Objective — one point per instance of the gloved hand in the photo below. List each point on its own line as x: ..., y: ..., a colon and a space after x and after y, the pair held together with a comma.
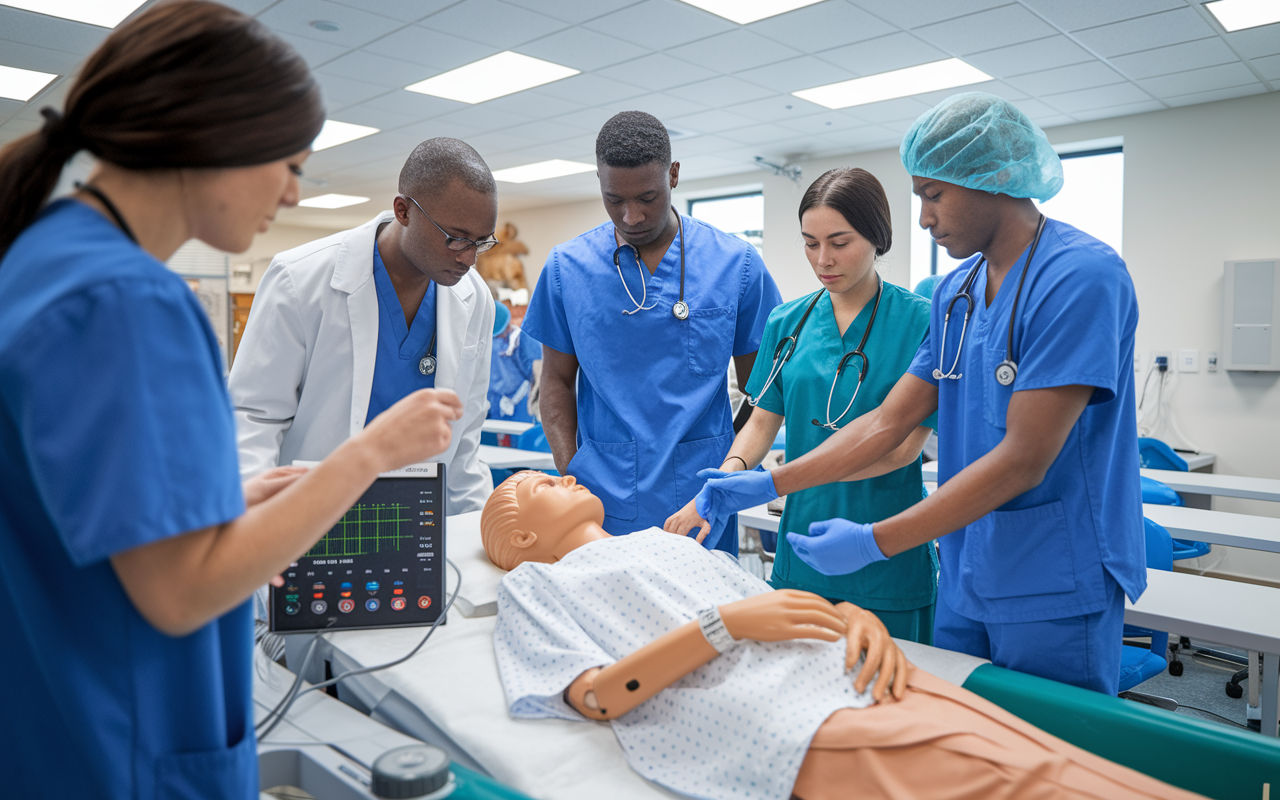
x: 837, y: 546
x: 727, y: 493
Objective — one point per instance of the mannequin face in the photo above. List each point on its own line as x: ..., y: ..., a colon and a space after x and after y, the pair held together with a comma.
x: 551, y: 508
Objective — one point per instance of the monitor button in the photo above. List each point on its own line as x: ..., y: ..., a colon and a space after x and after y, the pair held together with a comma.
x: 317, y: 586
x: 424, y: 602
x: 346, y: 606
x: 371, y: 586
x: 371, y: 604
x: 397, y: 604
x: 346, y: 585
x: 319, y: 607
x: 291, y: 608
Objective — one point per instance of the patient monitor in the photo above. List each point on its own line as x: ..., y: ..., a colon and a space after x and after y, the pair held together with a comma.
x: 381, y: 566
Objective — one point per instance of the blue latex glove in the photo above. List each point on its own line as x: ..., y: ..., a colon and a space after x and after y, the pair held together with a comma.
x: 727, y: 493
x: 837, y: 546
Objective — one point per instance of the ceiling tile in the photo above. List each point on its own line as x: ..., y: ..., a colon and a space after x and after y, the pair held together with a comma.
x: 1256, y: 42
x: 712, y: 121
x: 413, y: 104
x: 1033, y: 56
x: 421, y: 45
x: 997, y: 88
x: 734, y: 51
x: 429, y: 129
x: 503, y: 141
x: 1036, y: 108
x: 495, y: 23
x: 482, y: 118
x: 907, y: 14
x: 40, y: 59
x: 1269, y: 67
x: 251, y: 7
x: 1077, y: 14
x: 1120, y: 111
x: 1066, y: 79
x: 9, y: 107
x: 1175, y: 58
x: 532, y: 105
x: 761, y: 134
x: 1223, y: 76
x: 343, y: 92
x: 1054, y: 121
x: 582, y: 49
x: 40, y: 30
x: 545, y: 131
x: 655, y: 72
x: 720, y: 92
x: 660, y: 24
x: 1101, y: 97
x: 580, y: 148
x: 777, y: 109
x: 370, y: 67
x: 795, y: 74
x: 862, y: 137
x: 403, y: 10
x: 380, y: 118
x: 1145, y: 33
x: 1215, y: 95
x: 662, y: 106
x: 588, y: 89
x: 698, y: 145
x: 590, y: 119
x: 890, y: 110
x: 356, y: 27
x: 823, y: 124
x: 986, y: 30
x: 822, y: 26
x: 708, y: 167
x: 895, y: 51
x: 313, y: 52
x: 575, y: 11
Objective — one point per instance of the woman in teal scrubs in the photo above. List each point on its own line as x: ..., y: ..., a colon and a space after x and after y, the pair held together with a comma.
x: 844, y: 219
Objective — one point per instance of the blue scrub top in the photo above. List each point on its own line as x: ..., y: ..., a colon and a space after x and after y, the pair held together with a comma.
x: 1052, y: 552
x: 115, y: 431
x: 653, y: 401
x: 510, y: 368
x: 400, y: 347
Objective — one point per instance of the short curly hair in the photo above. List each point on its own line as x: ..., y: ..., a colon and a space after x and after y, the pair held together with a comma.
x: 633, y: 139
x: 499, y: 522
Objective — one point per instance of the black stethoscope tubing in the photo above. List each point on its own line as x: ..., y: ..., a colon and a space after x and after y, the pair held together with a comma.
x: 681, y: 309
x: 110, y: 206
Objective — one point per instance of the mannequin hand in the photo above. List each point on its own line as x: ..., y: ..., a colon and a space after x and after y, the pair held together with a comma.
x: 726, y: 493
x: 267, y: 484
x: 837, y: 546
x: 416, y: 428
x: 684, y: 521
x: 866, y: 633
x: 782, y: 615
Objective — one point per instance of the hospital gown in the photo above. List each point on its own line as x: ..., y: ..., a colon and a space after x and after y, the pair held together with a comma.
x: 738, y: 727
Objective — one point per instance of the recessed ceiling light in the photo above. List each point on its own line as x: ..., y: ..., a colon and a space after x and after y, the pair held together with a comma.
x: 335, y: 133
x: 106, y: 13
x: 22, y: 84
x: 745, y: 11
x: 1236, y: 15
x: 495, y: 76
x: 542, y: 170
x: 326, y: 26
x: 333, y: 201
x: 946, y: 74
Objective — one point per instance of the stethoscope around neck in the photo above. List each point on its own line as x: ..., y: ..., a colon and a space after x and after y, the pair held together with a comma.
x: 1007, y: 370
x: 681, y: 309
x: 782, y: 353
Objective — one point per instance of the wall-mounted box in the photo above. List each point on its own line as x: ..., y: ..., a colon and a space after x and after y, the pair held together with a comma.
x: 1250, y: 311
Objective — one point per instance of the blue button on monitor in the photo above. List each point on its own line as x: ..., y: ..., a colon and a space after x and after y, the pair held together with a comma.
x: 346, y: 585
x: 371, y: 604
x: 371, y: 586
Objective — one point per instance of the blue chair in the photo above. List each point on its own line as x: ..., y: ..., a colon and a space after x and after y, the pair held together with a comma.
x: 1155, y: 454
x: 1138, y: 664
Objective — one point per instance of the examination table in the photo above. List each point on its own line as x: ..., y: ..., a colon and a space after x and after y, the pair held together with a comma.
x: 450, y: 695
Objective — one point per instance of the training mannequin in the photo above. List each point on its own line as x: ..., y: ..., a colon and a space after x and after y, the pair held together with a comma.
x: 908, y: 735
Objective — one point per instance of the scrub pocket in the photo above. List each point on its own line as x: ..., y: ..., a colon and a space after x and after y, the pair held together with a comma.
x: 995, y: 405
x: 608, y: 469
x: 1021, y: 553
x: 709, y: 340
x: 695, y: 455
x: 223, y: 773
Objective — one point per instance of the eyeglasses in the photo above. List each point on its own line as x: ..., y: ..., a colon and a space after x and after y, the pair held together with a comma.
x: 458, y: 243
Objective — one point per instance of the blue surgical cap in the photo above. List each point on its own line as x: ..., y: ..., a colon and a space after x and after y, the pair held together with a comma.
x: 501, y: 316
x: 982, y: 142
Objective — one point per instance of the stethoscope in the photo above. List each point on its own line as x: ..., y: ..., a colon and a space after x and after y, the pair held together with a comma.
x: 427, y: 364
x: 789, y: 343
x: 1006, y: 370
x: 681, y: 309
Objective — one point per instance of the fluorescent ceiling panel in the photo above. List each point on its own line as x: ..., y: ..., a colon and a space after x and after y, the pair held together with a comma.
x: 333, y: 201
x: 946, y: 74
x: 495, y: 76
x: 106, y: 13
x: 1236, y: 15
x: 542, y: 170
x: 335, y: 133
x: 747, y: 11
x: 22, y: 84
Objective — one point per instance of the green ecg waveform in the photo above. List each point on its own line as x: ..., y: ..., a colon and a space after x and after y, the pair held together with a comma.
x: 366, y: 528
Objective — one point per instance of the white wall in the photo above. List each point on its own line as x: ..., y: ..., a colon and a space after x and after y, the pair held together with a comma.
x: 265, y: 245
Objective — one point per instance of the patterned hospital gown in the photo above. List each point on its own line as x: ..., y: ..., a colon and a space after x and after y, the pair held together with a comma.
x: 736, y: 728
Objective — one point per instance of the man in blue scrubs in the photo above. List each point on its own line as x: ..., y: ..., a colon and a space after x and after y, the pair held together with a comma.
x: 1038, y: 511
x: 638, y: 319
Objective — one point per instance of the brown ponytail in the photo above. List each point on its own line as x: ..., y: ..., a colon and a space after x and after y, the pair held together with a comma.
x: 186, y: 84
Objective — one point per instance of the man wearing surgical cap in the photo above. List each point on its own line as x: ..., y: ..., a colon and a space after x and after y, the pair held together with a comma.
x: 1038, y: 512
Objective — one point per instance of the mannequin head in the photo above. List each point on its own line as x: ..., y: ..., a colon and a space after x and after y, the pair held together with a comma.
x: 532, y: 516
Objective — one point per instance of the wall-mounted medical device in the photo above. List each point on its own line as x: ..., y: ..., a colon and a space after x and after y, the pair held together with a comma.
x: 381, y: 566
x: 1250, y: 311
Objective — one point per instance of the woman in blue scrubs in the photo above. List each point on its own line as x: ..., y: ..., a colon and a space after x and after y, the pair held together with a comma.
x: 1028, y: 366
x: 128, y: 547
x: 844, y: 220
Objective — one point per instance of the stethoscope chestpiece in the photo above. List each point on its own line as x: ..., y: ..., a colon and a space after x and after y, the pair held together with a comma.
x: 680, y: 310
x: 1006, y: 371
x: 427, y: 366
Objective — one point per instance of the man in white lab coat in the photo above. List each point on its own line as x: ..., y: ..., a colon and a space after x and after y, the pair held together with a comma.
x: 346, y: 325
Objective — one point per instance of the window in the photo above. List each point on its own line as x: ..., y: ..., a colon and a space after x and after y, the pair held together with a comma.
x: 1092, y: 199
x: 740, y: 215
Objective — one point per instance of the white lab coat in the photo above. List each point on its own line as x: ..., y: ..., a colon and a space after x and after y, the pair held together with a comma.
x: 304, y: 370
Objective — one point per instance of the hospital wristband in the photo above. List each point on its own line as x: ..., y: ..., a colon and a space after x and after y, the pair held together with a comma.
x: 713, y: 629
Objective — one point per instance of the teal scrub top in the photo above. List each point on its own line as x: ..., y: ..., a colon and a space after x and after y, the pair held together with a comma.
x: 799, y: 393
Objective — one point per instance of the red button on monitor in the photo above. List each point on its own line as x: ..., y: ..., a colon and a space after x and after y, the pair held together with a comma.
x: 424, y: 602
x: 346, y: 606
x: 397, y: 604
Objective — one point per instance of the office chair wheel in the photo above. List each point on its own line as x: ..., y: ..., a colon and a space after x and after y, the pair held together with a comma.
x: 1235, y: 691
x: 1175, y: 669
